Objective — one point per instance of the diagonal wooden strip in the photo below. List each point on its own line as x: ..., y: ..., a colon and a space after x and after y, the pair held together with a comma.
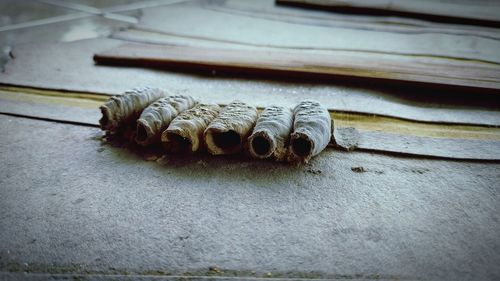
x: 265, y: 62
x: 106, y: 12
x: 91, y: 10
x: 56, y: 19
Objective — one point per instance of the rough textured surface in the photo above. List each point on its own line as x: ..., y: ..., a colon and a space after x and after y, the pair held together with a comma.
x: 271, y: 133
x: 312, y: 130
x: 229, y: 131
x: 185, y: 133
x: 459, y: 148
x: 155, y: 276
x: 125, y: 108
x: 157, y: 116
x: 78, y: 203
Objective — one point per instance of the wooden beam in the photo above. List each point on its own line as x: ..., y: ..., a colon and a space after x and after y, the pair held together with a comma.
x: 485, y: 13
x: 439, y: 72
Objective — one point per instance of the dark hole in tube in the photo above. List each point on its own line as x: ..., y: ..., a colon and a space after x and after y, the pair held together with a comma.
x: 227, y: 139
x: 142, y: 135
x: 260, y: 145
x: 301, y: 147
x: 178, y: 143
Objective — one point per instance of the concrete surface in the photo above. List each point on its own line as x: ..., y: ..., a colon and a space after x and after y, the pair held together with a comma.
x: 73, y: 207
x: 70, y: 203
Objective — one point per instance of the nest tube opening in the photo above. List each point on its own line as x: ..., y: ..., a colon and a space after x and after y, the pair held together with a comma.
x: 143, y: 132
x: 301, y: 145
x: 261, y: 145
x: 226, y: 140
x: 176, y: 143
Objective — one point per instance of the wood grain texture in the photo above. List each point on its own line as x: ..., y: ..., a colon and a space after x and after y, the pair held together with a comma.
x: 485, y: 10
x: 45, y: 67
x: 380, y: 23
x: 249, y: 26
x: 401, y: 48
x: 264, y: 62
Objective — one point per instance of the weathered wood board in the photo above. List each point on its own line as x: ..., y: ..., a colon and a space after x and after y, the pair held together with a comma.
x: 265, y: 62
x: 267, y: 26
x: 384, y: 48
x: 485, y: 10
x: 352, y: 131
x: 46, y: 66
x: 266, y: 9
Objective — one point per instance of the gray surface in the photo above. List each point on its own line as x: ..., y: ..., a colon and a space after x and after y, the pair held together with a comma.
x: 32, y: 276
x: 458, y: 148
x: 15, y: 11
x: 63, y: 113
x: 77, y: 29
x: 40, y: 21
x: 67, y: 200
x: 106, y: 277
x: 46, y: 66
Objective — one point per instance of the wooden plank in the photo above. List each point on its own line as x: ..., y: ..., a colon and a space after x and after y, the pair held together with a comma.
x: 353, y: 139
x: 60, y: 107
x: 480, y: 12
x: 352, y: 131
x: 265, y: 62
x: 60, y: 66
x: 399, y: 40
x: 380, y: 23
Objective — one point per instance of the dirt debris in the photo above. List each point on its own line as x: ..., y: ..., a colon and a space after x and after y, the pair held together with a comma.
x: 358, y: 169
